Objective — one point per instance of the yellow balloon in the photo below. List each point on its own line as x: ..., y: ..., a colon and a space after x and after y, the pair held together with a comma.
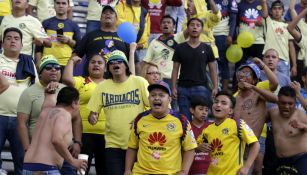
x: 245, y: 39
x: 234, y: 53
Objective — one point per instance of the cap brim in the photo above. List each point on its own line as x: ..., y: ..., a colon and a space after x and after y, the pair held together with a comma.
x: 158, y: 86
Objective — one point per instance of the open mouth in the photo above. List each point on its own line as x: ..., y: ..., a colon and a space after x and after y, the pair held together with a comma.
x: 116, y: 68
x: 157, y: 104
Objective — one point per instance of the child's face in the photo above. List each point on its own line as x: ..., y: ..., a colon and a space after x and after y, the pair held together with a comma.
x: 222, y: 107
x: 200, y: 113
x: 277, y: 12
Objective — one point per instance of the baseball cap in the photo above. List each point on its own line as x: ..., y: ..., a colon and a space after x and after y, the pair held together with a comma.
x: 108, y: 7
x: 116, y: 55
x: 254, y: 68
x: 160, y: 85
x: 47, y: 59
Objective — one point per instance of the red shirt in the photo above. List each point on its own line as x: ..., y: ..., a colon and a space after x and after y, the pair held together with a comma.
x: 156, y: 10
x: 201, y: 160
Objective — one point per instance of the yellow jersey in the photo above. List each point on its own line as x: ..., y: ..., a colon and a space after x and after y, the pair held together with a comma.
x: 121, y: 103
x: 86, y: 86
x: 227, y: 142
x: 160, y: 142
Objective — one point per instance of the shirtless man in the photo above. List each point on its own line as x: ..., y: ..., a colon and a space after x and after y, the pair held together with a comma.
x: 290, y: 134
x: 53, y: 133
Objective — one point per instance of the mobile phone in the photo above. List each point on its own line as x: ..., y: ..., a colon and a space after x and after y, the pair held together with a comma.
x: 59, y: 32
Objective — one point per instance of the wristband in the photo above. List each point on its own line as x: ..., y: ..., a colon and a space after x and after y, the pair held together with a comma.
x: 77, y: 142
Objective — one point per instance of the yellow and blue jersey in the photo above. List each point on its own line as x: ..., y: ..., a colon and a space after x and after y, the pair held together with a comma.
x: 70, y: 29
x: 160, y: 142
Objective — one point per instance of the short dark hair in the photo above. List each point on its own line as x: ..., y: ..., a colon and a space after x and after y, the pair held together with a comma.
x: 277, y: 3
x: 287, y: 91
x: 168, y: 17
x: 12, y: 29
x: 195, y: 19
x: 67, y: 96
x: 231, y: 98
x: 198, y: 101
x: 68, y: 1
x: 87, y: 62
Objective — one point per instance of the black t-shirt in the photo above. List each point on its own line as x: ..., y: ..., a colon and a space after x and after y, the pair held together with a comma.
x: 100, y: 42
x: 193, y: 63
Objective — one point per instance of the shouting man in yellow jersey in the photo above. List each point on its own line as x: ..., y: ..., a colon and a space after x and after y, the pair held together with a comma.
x: 161, y: 141
x: 226, y: 138
x: 122, y: 97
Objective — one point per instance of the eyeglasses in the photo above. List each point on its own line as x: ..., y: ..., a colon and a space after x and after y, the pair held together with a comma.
x: 153, y: 73
x: 243, y: 74
x: 119, y: 61
x: 48, y: 67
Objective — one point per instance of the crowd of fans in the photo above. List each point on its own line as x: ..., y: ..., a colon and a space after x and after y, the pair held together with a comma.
x: 166, y: 103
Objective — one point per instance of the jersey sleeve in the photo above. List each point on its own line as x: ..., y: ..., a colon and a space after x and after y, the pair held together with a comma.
x: 78, y: 82
x: 189, y: 141
x: 246, y: 133
x: 77, y: 33
x: 95, y: 103
x: 133, y: 141
x: 37, y: 29
x: 144, y: 92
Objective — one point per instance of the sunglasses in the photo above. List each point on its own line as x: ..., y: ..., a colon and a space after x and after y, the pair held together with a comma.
x: 243, y: 74
x: 119, y: 61
x: 153, y: 73
x: 48, y: 67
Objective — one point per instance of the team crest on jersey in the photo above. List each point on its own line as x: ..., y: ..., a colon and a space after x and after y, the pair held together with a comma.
x: 170, y: 43
x: 60, y: 25
x: 171, y: 127
x: 225, y: 2
x: 259, y: 7
x: 225, y: 131
x: 22, y: 25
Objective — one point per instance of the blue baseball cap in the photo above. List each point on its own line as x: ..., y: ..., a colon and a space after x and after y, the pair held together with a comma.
x: 254, y: 68
x: 160, y: 85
